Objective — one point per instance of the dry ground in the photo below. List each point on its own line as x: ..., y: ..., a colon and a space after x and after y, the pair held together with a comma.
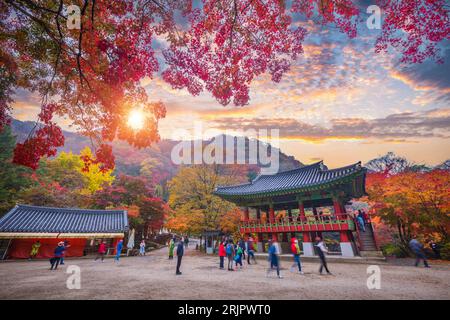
x: 153, y: 277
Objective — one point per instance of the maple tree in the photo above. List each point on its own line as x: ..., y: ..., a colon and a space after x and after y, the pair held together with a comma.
x: 91, y: 75
x: 128, y: 191
x: 412, y: 203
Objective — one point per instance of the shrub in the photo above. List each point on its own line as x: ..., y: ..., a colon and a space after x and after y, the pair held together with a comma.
x: 445, y: 251
x: 393, y: 250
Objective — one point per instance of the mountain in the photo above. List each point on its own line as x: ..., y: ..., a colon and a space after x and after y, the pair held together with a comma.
x: 129, y: 160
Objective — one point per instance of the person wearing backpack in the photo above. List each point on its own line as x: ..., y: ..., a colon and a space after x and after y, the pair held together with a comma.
x: 238, y: 257
x: 250, y: 250
x: 230, y: 254
x: 295, y: 249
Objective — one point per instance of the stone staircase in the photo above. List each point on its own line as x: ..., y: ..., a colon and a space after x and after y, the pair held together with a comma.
x: 368, y: 246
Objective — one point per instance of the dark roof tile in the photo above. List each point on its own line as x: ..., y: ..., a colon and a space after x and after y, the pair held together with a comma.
x: 304, y: 177
x: 24, y: 218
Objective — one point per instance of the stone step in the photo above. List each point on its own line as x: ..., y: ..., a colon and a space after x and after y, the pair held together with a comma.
x: 372, y: 254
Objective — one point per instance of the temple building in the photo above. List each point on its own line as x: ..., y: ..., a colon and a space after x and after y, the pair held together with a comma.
x: 306, y: 202
x: 82, y: 229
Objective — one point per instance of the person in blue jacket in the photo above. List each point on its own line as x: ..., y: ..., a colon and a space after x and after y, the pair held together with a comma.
x: 274, y: 252
x: 118, y: 250
x: 58, y: 253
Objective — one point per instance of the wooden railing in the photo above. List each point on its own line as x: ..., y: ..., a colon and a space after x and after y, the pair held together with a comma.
x: 300, y: 221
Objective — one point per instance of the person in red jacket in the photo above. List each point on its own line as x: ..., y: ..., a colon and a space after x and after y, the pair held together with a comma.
x: 101, y: 251
x: 295, y: 249
x: 222, y: 253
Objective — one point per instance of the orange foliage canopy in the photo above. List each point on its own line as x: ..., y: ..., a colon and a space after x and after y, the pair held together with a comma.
x: 413, y: 202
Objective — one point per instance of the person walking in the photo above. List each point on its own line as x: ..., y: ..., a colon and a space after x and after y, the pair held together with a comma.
x: 180, y: 253
x: 34, y: 250
x: 360, y: 220
x: 118, y: 250
x: 322, y: 249
x: 66, y: 245
x: 222, y: 254
x: 250, y: 250
x: 230, y: 254
x: 171, y: 247
x: 186, y: 242
x: 101, y: 251
x: 142, y: 248
x: 295, y: 249
x: 57, y: 254
x: 417, y: 248
x: 436, y: 249
x: 241, y: 244
x: 274, y: 260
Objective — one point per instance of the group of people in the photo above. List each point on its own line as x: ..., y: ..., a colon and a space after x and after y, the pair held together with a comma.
x: 58, y: 254
x: 180, y: 243
x: 362, y: 218
x: 236, y: 252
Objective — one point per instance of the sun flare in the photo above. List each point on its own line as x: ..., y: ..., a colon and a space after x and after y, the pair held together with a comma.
x: 136, y: 119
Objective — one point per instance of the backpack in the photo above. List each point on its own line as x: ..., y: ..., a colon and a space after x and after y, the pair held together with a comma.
x: 229, y: 250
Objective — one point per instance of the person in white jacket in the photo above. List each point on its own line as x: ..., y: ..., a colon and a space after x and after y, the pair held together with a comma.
x: 322, y: 250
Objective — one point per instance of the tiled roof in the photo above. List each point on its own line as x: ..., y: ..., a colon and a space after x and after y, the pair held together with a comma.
x: 300, y: 178
x: 23, y: 218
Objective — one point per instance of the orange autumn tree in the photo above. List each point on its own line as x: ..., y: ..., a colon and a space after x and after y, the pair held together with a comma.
x: 195, y: 207
x: 413, y: 203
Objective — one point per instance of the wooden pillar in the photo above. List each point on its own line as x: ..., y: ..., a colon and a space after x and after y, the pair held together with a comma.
x: 344, y: 236
x: 301, y: 210
x: 271, y: 214
x: 306, y: 237
x: 246, y: 214
x: 337, y: 206
x: 258, y: 213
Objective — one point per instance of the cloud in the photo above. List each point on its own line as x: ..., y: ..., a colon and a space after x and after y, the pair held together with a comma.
x: 394, y: 128
x: 431, y: 77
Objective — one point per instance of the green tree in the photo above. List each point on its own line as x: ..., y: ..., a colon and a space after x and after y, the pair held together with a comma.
x: 12, y: 177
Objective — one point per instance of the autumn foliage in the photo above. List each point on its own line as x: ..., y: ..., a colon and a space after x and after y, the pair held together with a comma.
x: 91, y: 75
x: 412, y: 203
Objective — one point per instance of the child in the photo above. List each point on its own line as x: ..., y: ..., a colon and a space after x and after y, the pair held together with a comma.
x: 142, y: 248
x: 118, y: 250
x: 238, y: 257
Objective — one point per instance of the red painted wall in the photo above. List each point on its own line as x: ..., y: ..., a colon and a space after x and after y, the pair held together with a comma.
x: 21, y: 248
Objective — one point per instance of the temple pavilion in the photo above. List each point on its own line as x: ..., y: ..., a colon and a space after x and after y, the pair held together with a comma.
x: 305, y: 202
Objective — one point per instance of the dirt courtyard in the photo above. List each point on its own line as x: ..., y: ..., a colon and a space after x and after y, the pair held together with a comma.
x: 153, y: 277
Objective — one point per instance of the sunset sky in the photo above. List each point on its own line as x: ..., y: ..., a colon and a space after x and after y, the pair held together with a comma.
x: 340, y: 102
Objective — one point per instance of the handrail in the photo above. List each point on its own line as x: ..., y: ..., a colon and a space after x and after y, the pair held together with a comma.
x: 369, y: 222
